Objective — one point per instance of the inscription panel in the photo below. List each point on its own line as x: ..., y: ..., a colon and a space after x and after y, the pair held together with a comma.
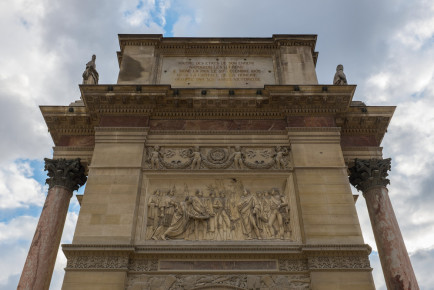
x: 218, y: 265
x: 217, y: 72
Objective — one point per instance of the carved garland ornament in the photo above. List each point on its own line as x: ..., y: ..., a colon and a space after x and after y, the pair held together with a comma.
x: 238, y: 158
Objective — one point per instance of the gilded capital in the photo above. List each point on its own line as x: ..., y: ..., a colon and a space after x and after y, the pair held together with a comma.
x: 368, y: 173
x: 66, y: 173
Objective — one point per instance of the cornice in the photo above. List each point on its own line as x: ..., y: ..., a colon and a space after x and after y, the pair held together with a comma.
x: 217, y: 132
x: 221, y: 247
x: 161, y: 102
x: 215, y: 46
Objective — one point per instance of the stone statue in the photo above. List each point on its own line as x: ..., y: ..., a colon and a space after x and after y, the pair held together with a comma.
x: 90, y: 75
x: 340, y: 78
x: 279, y: 157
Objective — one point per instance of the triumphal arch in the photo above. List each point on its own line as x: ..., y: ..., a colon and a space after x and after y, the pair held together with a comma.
x: 218, y: 163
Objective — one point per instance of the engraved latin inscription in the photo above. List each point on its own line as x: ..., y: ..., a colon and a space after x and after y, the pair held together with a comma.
x: 217, y: 72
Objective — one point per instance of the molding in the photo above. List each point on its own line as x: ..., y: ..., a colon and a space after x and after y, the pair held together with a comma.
x: 121, y: 134
x: 290, y: 259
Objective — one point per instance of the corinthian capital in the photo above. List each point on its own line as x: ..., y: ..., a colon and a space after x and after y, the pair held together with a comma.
x: 369, y: 173
x: 65, y: 173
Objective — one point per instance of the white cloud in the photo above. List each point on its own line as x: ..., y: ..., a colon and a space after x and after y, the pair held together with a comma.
x: 15, y: 237
x: 18, y: 188
x: 387, y: 51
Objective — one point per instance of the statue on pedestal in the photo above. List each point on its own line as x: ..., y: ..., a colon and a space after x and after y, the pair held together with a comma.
x: 90, y: 75
x: 340, y: 79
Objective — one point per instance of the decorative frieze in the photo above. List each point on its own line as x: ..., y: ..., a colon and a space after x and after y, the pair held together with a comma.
x: 217, y: 158
x: 293, y: 265
x: 100, y: 262
x: 143, y: 265
x: 339, y: 262
x: 229, y: 281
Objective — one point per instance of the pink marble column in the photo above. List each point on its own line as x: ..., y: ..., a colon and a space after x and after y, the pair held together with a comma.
x: 65, y: 176
x: 369, y: 176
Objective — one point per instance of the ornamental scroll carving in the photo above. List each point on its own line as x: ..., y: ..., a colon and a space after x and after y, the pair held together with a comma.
x: 339, y: 262
x: 97, y: 262
x: 237, y: 158
x: 234, y: 281
x: 218, y: 212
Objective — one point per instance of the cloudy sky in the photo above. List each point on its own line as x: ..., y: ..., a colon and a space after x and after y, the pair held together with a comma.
x: 387, y: 48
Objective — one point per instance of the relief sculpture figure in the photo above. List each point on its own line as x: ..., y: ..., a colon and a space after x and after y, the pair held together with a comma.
x: 222, y: 217
x: 153, y: 211
x: 166, y: 208
x: 197, y: 158
x: 276, y: 216
x: 245, y: 207
x: 90, y: 75
x: 180, y: 220
x: 200, y: 214
x: 238, y: 160
x: 212, y: 223
x: 223, y: 214
x: 155, y: 154
x: 279, y: 157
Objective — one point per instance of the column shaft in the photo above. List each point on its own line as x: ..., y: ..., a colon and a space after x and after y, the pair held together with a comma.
x: 64, y: 176
x: 397, y: 269
x: 41, y: 258
x: 370, y: 176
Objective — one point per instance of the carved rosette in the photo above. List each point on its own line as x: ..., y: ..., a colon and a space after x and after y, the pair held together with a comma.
x: 65, y: 173
x: 366, y: 174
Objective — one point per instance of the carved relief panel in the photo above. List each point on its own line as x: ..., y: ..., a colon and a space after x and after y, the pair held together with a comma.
x: 236, y: 158
x: 208, y: 209
x: 231, y: 281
